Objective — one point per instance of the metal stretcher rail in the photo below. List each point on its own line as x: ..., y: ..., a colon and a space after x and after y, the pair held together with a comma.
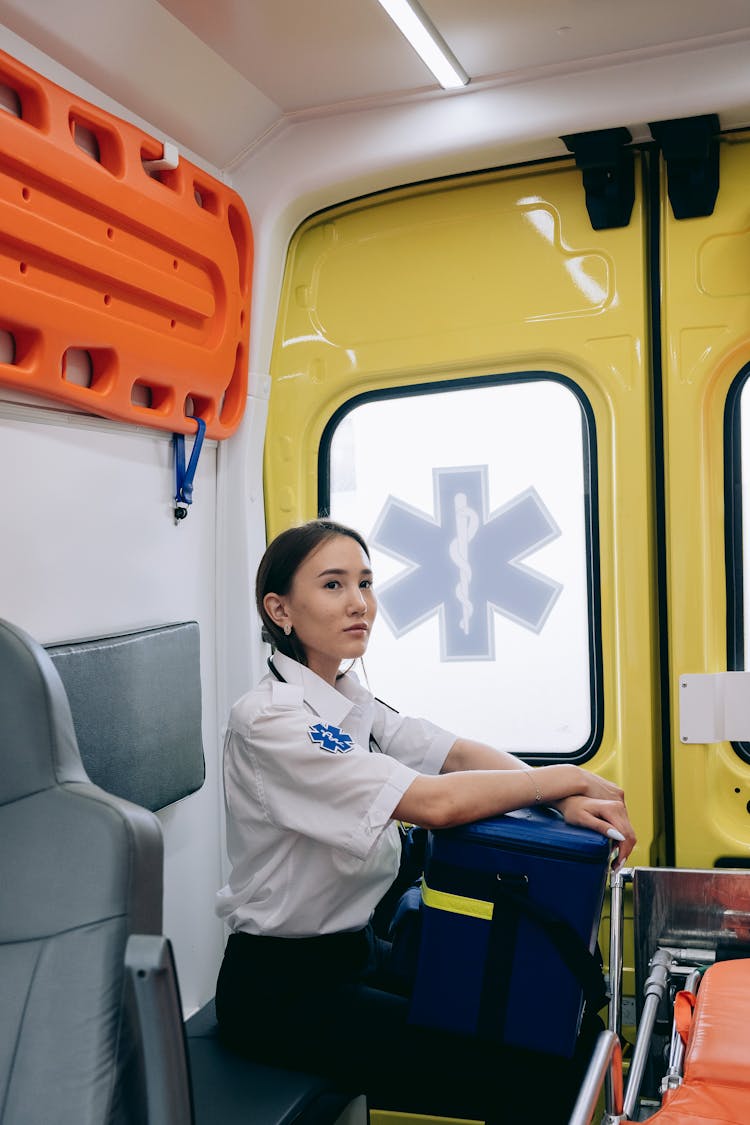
x: 685, y: 923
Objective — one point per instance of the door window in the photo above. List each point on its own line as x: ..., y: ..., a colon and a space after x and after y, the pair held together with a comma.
x: 476, y: 502
x: 737, y: 505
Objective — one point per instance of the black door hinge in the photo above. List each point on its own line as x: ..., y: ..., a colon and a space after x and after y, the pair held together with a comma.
x: 608, y: 169
x: 690, y: 147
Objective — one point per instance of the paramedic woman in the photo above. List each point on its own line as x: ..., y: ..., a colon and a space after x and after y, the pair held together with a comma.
x: 318, y: 774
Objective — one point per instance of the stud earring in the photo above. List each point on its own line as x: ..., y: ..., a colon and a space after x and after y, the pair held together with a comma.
x: 287, y: 629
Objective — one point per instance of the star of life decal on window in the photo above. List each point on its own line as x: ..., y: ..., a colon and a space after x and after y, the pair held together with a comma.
x: 466, y: 562
x: 330, y: 738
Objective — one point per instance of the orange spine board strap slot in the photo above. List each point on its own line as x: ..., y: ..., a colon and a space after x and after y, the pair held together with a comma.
x: 124, y: 281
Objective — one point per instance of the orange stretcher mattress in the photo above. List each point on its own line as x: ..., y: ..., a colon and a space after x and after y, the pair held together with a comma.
x: 124, y: 288
x: 716, y: 1083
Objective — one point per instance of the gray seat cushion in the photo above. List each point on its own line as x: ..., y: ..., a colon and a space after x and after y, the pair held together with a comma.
x: 231, y: 1089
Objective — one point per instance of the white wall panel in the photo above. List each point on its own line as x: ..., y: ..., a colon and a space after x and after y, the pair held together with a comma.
x: 89, y: 547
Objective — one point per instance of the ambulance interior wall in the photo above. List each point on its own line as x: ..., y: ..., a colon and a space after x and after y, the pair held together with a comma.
x: 90, y: 548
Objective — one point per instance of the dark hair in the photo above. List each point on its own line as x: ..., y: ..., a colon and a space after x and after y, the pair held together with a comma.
x: 282, y: 559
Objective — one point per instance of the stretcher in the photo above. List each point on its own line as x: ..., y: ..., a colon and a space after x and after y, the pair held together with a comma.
x: 690, y: 1063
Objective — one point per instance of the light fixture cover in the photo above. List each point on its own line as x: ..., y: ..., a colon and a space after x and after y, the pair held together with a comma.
x: 427, y: 41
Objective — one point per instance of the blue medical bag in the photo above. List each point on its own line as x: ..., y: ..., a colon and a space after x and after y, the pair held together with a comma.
x: 509, y: 919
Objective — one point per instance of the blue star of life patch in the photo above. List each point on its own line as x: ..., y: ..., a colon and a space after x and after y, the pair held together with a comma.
x: 330, y: 738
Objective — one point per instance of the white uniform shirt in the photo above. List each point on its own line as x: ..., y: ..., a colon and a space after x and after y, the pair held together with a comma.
x: 310, y: 837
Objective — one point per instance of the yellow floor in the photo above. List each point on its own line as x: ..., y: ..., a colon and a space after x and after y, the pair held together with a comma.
x: 391, y: 1117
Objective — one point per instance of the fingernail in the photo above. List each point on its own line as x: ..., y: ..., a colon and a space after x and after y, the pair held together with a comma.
x: 615, y: 835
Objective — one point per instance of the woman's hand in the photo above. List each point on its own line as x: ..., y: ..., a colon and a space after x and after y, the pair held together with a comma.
x: 603, y: 814
x: 591, y: 785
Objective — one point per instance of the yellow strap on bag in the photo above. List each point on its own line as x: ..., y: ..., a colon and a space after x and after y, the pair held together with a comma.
x: 457, y: 904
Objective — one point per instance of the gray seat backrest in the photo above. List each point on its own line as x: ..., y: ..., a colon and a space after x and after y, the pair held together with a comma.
x: 139, y: 733
x: 80, y: 870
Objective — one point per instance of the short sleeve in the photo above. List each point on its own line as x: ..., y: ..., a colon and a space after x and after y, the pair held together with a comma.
x: 417, y: 743
x: 344, y: 799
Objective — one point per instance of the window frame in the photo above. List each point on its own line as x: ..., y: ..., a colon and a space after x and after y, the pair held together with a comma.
x: 733, y: 533
x: 591, y: 519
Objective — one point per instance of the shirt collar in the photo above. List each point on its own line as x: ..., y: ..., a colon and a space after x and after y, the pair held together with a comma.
x: 330, y: 703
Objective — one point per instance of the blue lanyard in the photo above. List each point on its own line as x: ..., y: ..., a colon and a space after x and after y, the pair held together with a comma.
x: 184, y: 477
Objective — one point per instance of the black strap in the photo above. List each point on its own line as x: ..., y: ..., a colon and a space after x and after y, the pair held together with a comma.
x: 501, y: 948
x: 508, y: 891
x: 583, y: 964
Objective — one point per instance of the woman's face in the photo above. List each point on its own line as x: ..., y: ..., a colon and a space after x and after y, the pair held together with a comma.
x: 331, y: 605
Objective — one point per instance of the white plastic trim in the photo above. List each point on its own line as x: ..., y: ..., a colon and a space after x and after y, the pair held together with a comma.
x: 168, y: 162
x: 714, y: 707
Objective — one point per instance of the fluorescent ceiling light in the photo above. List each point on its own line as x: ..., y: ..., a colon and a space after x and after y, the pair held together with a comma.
x: 427, y: 42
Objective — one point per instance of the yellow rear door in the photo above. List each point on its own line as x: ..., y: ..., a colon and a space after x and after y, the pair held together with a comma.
x: 461, y: 370
x: 705, y: 265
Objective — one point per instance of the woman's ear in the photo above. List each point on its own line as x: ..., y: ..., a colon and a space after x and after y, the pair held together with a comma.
x: 276, y: 610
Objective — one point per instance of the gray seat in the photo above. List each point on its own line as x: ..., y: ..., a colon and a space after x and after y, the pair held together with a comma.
x: 83, y: 1041
x: 81, y: 870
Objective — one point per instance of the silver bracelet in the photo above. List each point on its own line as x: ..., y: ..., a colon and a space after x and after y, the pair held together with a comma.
x: 537, y: 790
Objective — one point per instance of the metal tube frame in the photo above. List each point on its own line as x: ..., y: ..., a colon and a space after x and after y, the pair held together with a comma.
x: 606, y: 1062
x: 655, y: 987
x: 617, y: 882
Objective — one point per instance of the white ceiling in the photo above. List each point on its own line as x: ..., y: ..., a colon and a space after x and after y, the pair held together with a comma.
x: 306, y: 53
x: 218, y: 75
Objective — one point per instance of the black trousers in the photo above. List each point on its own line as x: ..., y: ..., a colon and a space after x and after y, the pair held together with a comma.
x: 325, y: 1005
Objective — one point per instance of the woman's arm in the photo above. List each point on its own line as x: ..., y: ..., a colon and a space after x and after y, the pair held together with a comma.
x: 465, y: 754
x: 479, y: 781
